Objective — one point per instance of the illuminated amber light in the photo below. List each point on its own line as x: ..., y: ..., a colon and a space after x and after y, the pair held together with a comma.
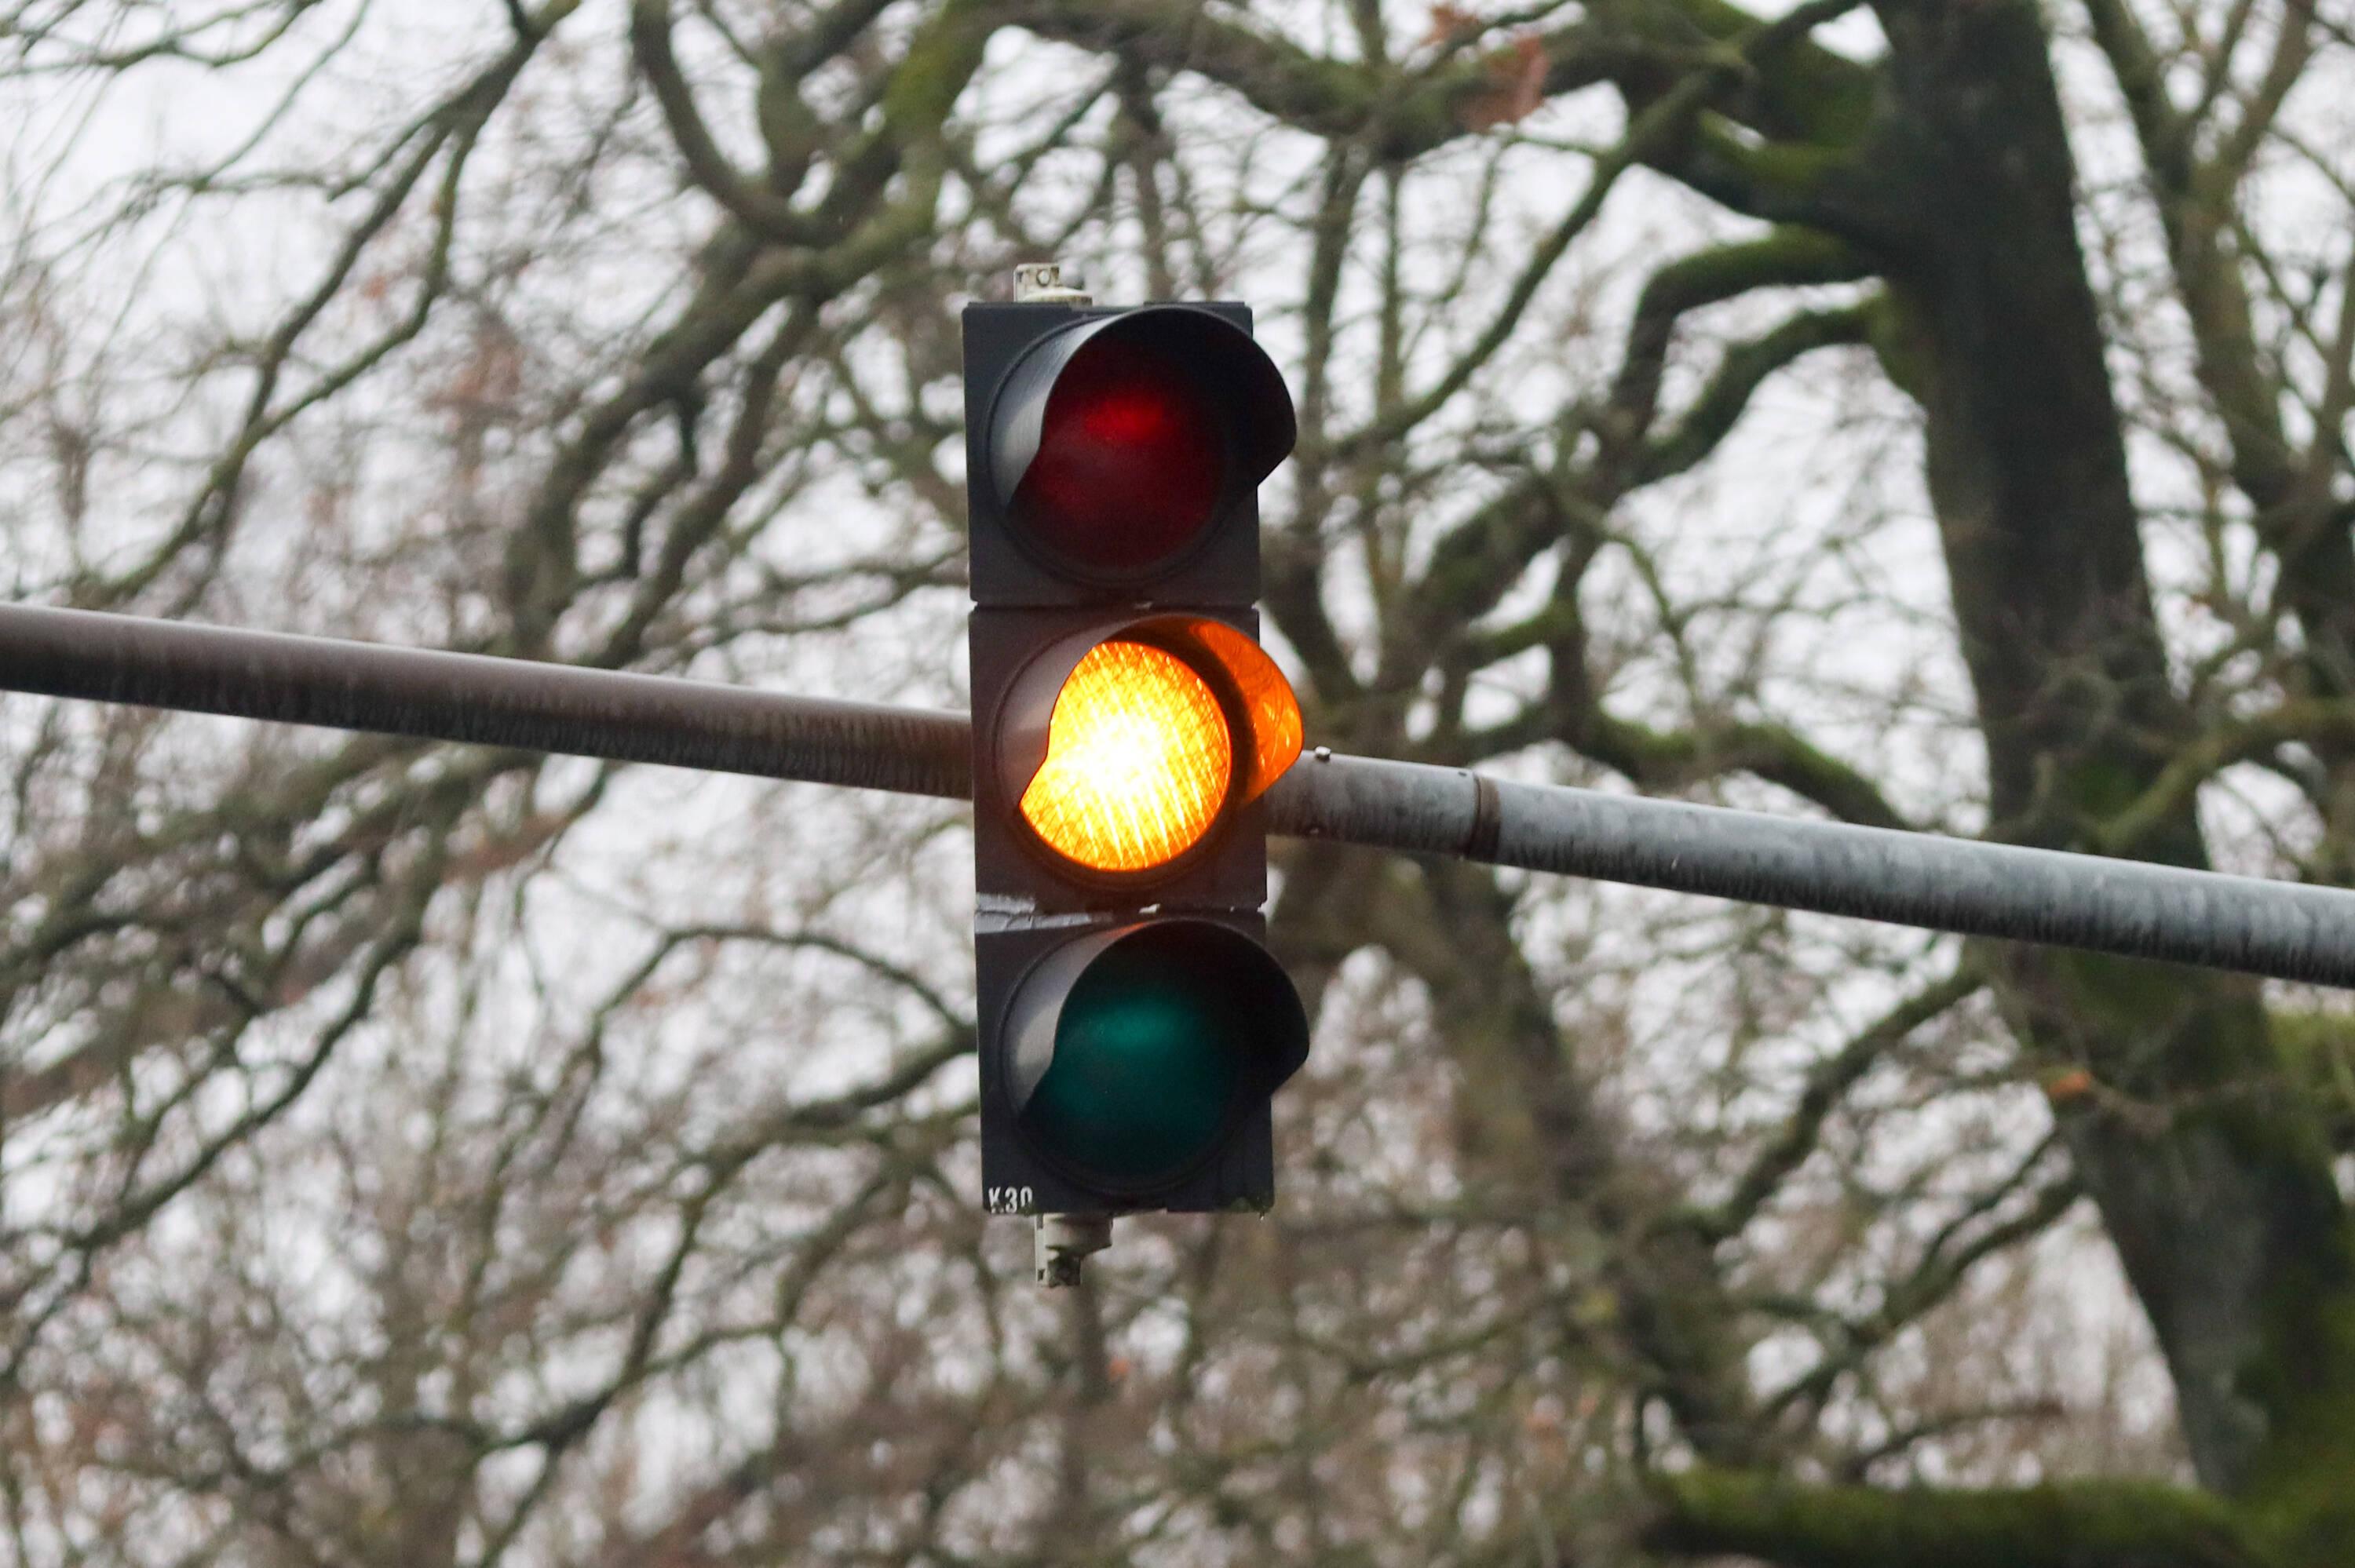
x: 1267, y: 697
x: 1138, y: 761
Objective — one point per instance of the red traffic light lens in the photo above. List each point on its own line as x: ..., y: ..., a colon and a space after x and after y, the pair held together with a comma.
x: 1131, y: 462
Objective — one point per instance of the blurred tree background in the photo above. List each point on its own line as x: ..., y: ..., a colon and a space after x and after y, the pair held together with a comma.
x: 1929, y: 413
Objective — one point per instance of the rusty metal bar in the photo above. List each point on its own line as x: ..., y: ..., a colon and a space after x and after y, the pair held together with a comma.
x: 2281, y: 929
x: 483, y: 699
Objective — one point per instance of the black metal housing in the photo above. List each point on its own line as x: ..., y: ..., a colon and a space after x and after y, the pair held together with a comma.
x: 1033, y: 617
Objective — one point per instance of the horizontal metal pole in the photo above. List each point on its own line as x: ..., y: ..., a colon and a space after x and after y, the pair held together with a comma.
x: 2283, y: 929
x: 483, y: 699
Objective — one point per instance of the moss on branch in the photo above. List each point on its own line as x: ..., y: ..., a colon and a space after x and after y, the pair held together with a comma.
x: 1795, y: 90
x: 2092, y: 1524
x: 1745, y: 368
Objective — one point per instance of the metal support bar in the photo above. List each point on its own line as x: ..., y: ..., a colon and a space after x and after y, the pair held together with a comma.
x: 2284, y: 929
x: 2281, y: 929
x: 483, y: 699
x: 1060, y: 1245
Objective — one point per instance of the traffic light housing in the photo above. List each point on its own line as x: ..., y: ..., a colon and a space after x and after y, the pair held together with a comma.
x: 1134, y: 1026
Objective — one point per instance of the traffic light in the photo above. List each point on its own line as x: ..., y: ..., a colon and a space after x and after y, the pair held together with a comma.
x: 1134, y: 1026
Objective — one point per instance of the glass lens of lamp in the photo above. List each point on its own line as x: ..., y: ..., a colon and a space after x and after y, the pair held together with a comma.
x: 1148, y: 1058
x: 1138, y: 761
x: 1131, y: 462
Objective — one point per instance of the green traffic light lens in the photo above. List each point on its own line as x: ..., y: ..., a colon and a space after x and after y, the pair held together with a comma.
x: 1131, y: 1054
x: 1149, y: 1055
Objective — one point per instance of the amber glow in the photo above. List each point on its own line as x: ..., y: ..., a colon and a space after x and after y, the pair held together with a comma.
x: 1267, y: 698
x: 1138, y: 760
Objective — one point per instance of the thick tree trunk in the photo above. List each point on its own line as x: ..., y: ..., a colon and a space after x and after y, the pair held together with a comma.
x: 2209, y: 1175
